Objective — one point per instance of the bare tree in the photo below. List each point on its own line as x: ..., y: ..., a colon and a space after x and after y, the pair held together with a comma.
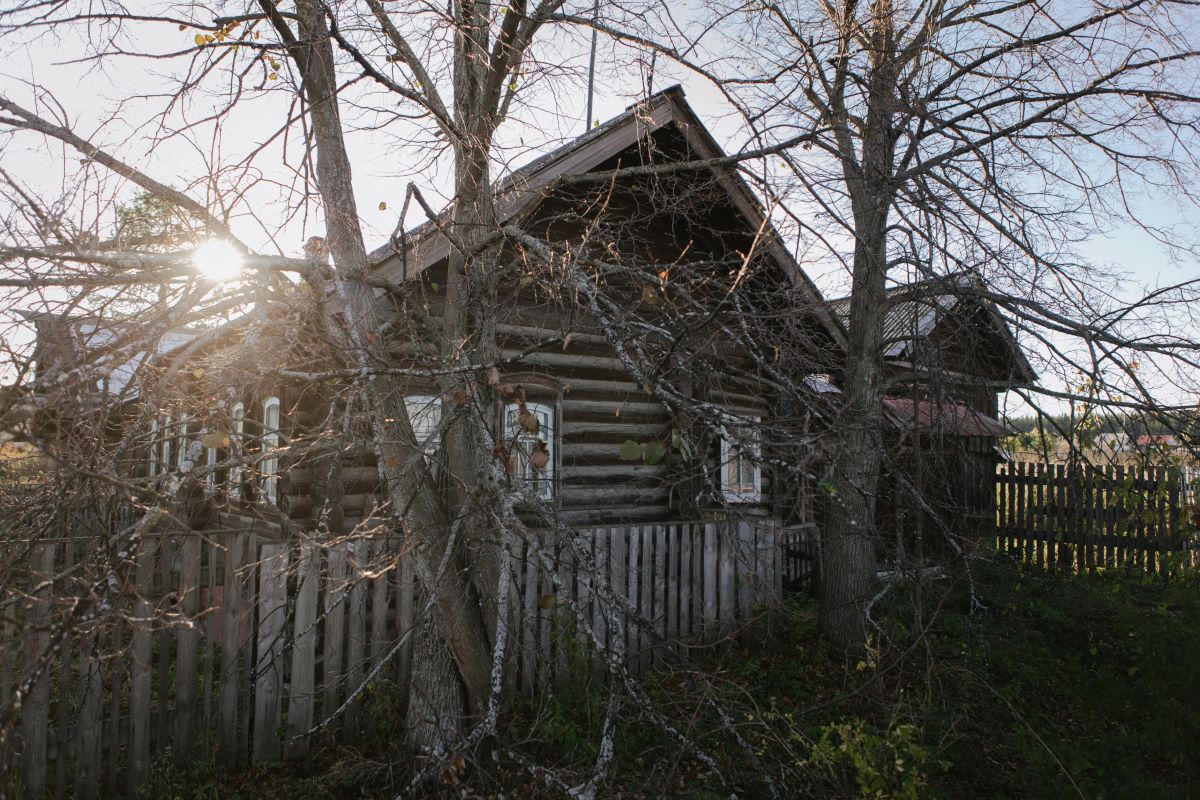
x: 960, y: 138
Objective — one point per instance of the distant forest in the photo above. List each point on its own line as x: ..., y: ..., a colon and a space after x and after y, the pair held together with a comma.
x: 1185, y: 424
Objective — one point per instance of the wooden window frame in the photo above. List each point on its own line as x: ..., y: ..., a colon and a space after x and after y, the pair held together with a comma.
x: 733, y: 455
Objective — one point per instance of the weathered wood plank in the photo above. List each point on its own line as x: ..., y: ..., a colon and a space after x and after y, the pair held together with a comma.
x: 646, y: 607
x: 618, y: 579
x: 659, y: 610
x: 546, y: 599
x: 743, y: 567
x: 529, y: 618
x: 302, y: 680
x: 380, y: 604
x: 686, y: 580
x: 602, y: 590
x: 630, y: 590
x: 356, y: 633
x: 710, y: 582
x: 405, y: 588
x: 673, y: 585
x: 727, y: 544
x: 268, y: 669
x: 233, y: 603
x: 88, y: 750
x: 336, y: 599
x: 141, y: 680
x: 64, y: 713
x: 187, y: 647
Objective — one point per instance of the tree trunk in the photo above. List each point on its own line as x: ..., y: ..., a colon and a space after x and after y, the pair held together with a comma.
x: 850, y: 536
x: 457, y: 630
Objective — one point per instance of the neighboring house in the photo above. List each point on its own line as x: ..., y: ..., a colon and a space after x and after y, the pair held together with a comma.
x: 948, y: 356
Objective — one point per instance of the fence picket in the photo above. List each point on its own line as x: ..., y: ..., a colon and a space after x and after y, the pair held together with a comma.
x: 231, y: 640
x: 272, y: 615
x: 1088, y: 519
x: 304, y: 649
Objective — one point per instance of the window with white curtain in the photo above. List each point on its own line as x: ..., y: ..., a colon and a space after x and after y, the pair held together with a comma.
x: 270, y: 442
x: 741, y: 476
x: 237, y: 448
x: 532, y: 452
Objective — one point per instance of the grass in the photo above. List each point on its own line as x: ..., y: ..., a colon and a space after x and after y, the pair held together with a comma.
x: 1060, y: 687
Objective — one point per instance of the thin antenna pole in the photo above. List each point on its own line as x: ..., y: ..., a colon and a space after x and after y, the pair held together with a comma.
x: 592, y: 67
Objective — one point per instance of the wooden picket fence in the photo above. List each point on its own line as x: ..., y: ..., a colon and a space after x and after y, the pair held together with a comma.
x: 239, y: 648
x: 1087, y: 519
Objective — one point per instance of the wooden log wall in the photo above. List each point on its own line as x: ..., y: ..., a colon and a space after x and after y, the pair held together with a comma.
x: 245, y: 649
x: 599, y: 408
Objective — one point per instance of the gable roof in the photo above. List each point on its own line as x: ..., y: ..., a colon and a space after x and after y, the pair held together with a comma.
x: 426, y: 246
x: 915, y: 309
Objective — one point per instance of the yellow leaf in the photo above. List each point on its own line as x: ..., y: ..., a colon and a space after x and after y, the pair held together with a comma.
x: 215, y: 440
x: 199, y: 40
x: 198, y: 372
x: 272, y: 77
x: 383, y: 206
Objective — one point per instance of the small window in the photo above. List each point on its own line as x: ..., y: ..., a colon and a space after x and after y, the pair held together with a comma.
x: 741, y: 477
x: 270, y: 442
x: 236, y: 448
x: 532, y: 459
x: 425, y: 413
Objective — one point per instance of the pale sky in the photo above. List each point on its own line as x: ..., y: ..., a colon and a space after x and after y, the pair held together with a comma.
x: 91, y: 96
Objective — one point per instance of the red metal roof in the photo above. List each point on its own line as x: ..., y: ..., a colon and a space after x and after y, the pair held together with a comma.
x: 955, y: 419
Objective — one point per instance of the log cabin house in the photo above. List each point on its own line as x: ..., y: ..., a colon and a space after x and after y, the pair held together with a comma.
x: 949, y: 355
x: 293, y: 599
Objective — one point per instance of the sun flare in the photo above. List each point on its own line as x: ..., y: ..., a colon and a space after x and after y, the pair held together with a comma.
x: 217, y: 260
